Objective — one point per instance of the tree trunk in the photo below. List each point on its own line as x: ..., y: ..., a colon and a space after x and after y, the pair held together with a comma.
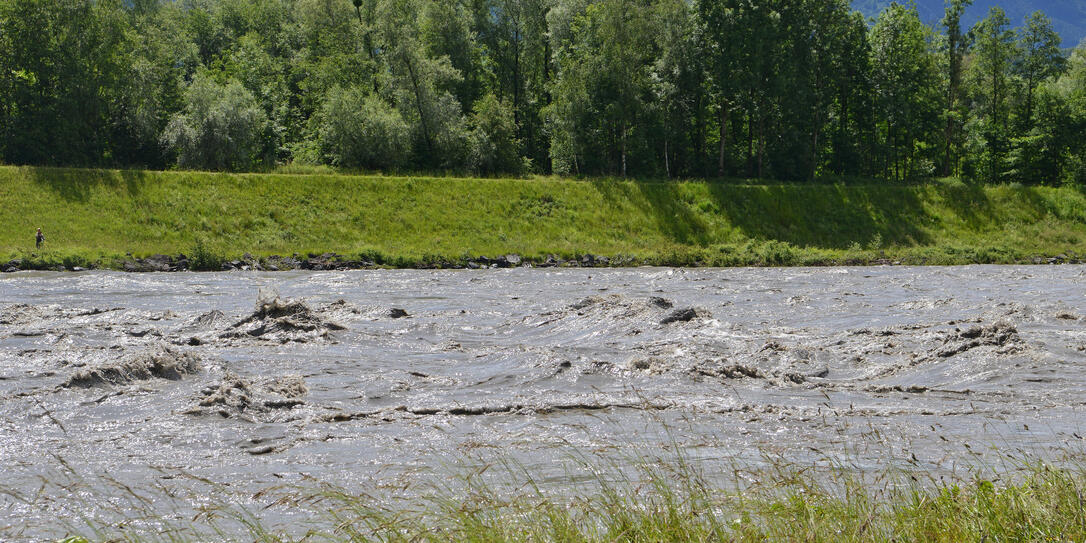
x: 548, y: 165
x: 814, y: 143
x: 750, y: 144
x: 368, y: 44
x: 623, y: 149
x: 516, y: 77
x: 418, y: 102
x: 1029, y: 102
x: 722, y: 164
x: 667, y: 161
x: 761, y: 147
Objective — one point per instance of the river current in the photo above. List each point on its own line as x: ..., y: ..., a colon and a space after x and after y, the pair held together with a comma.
x: 382, y: 379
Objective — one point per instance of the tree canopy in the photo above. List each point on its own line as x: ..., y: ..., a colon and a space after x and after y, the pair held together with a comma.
x: 785, y: 89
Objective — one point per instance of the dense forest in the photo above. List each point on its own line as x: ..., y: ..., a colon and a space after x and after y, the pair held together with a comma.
x: 784, y: 89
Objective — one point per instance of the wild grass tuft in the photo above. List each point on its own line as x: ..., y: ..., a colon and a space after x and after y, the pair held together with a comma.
x: 203, y: 258
x: 661, y: 501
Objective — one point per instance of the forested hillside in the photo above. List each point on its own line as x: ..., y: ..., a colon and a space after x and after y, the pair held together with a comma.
x: 785, y: 89
x: 1068, y: 16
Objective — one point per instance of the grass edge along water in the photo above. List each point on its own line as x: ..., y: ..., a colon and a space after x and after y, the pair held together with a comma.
x: 103, y: 218
x: 664, y: 501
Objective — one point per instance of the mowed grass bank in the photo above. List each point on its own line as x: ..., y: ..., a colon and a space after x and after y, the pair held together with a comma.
x: 98, y: 216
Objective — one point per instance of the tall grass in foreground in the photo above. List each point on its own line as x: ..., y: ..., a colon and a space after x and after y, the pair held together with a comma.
x: 666, y: 502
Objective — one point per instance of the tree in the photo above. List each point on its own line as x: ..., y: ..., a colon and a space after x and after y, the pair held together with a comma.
x: 678, y: 86
x: 956, y: 46
x: 1038, y: 59
x: 826, y: 37
x: 853, y: 137
x: 906, y: 91
x: 221, y: 128
x: 495, y: 148
x: 445, y: 29
x: 603, y: 75
x: 419, y: 87
x: 721, y: 25
x: 1071, y: 89
x: 994, y: 54
x: 64, y: 63
x: 748, y: 44
x: 516, y: 40
x: 1040, y: 154
x: 359, y: 130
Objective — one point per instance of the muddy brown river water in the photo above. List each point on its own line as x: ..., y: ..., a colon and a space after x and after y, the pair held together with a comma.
x: 371, y: 379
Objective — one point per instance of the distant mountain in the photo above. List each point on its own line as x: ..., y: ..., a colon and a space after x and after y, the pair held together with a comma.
x: 1068, y: 16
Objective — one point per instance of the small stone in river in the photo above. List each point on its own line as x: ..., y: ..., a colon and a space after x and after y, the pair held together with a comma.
x: 397, y: 313
x: 680, y: 315
x: 661, y: 302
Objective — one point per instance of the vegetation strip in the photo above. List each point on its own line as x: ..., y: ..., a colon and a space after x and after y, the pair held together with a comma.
x: 672, y: 505
x: 789, y: 89
x: 118, y: 219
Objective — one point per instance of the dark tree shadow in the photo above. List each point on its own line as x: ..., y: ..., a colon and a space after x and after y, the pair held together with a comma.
x: 672, y: 216
x: 969, y: 202
x: 817, y: 215
x: 825, y: 216
x: 74, y: 185
x: 830, y: 216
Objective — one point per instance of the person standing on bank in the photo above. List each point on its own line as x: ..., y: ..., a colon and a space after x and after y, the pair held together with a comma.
x: 38, y: 239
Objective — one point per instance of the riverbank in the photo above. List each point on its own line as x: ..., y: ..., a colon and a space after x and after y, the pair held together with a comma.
x: 196, y: 220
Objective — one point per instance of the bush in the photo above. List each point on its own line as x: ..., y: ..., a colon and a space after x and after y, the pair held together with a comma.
x: 494, y: 145
x: 451, y: 138
x: 221, y: 128
x: 359, y: 130
x: 204, y: 259
x: 777, y: 253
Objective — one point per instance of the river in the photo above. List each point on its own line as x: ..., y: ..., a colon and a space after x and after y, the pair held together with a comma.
x: 389, y: 378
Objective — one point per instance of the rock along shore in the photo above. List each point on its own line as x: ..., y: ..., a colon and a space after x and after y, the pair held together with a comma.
x: 326, y: 262
x: 335, y: 262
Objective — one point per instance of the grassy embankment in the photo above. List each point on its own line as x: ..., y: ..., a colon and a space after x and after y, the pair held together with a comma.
x: 672, y: 505
x: 95, y: 217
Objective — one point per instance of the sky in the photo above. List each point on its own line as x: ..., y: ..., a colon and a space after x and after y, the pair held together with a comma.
x: 1068, y: 16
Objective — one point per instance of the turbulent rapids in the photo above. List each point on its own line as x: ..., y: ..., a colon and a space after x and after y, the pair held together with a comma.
x: 389, y: 377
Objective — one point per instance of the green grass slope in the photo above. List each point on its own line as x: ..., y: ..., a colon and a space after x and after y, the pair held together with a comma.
x: 97, y: 216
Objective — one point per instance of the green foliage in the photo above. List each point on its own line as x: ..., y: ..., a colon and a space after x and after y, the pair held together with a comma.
x: 221, y: 128
x: 1071, y: 91
x: 63, y: 73
x: 607, y: 60
x: 782, y: 89
x: 359, y: 130
x: 420, y: 83
x: 990, y: 76
x: 1038, y: 59
x: 954, y: 112
x: 203, y: 258
x: 495, y: 148
x: 906, y: 92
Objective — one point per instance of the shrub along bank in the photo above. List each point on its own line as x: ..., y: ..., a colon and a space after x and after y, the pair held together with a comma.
x: 673, y: 504
x: 107, y: 218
